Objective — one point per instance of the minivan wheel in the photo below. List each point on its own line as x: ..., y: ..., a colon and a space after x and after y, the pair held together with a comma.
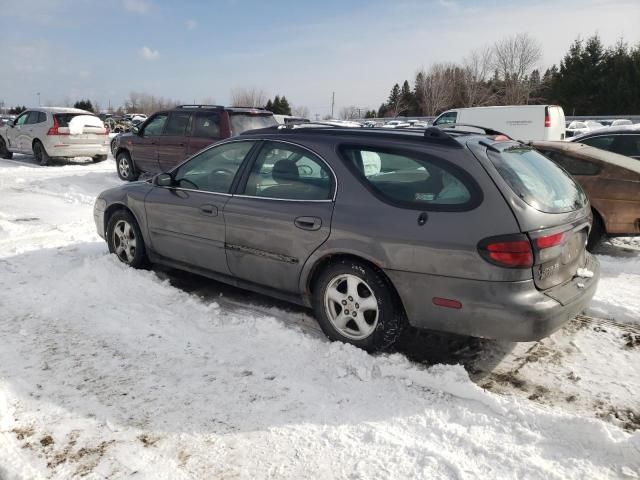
x: 355, y: 304
x: 4, y: 151
x: 40, y: 153
x: 126, y: 170
x: 125, y: 239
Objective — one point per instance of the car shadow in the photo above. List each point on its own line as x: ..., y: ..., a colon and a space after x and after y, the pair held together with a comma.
x: 30, y: 161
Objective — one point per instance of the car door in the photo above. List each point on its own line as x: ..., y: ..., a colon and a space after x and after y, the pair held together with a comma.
x: 204, y: 132
x: 172, y: 144
x: 186, y: 221
x: 15, y: 134
x: 280, y: 215
x: 145, y: 145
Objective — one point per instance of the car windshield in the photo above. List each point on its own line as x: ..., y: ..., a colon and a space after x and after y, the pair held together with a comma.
x: 241, y: 122
x: 537, y: 180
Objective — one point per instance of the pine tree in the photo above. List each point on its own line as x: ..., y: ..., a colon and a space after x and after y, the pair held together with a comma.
x: 269, y: 105
x: 276, y: 105
x: 285, y: 108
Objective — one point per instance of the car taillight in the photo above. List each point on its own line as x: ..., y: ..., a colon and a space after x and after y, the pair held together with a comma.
x: 547, y: 118
x: 55, y: 129
x: 511, y: 251
x: 550, y: 240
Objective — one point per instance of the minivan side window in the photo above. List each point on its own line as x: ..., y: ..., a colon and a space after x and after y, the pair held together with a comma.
x: 177, y: 124
x: 446, y: 118
x: 288, y: 172
x: 155, y: 125
x: 413, y: 179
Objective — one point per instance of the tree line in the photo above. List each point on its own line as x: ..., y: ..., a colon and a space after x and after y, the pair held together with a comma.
x: 591, y: 79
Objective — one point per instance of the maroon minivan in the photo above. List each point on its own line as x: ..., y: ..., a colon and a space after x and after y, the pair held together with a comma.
x: 167, y: 138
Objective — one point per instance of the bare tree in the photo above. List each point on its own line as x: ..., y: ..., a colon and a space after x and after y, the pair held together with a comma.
x: 248, y: 97
x: 208, y: 101
x: 301, y: 111
x: 514, y: 59
x: 476, y: 71
x: 435, y: 88
x: 147, y: 104
x: 349, y: 113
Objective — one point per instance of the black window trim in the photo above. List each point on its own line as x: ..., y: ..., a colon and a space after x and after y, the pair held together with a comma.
x: 242, y: 184
x: 476, y: 195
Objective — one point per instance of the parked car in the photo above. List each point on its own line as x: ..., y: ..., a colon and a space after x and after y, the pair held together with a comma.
x: 396, y: 124
x: 578, y: 127
x: 289, y: 119
x: 611, y: 182
x: 52, y: 132
x: 449, y: 230
x: 166, y: 138
x: 523, y: 122
x: 623, y: 140
x: 621, y: 122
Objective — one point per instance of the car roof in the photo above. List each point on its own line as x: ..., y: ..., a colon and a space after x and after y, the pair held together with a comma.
x: 59, y: 110
x: 632, y: 129
x: 196, y: 107
x: 586, y: 152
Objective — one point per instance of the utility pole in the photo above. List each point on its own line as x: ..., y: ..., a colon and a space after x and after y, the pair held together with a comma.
x: 38, y: 98
x: 333, y: 101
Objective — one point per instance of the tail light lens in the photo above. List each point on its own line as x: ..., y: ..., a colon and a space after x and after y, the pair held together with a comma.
x: 54, y: 130
x: 511, y: 251
x: 547, y: 118
x: 550, y: 240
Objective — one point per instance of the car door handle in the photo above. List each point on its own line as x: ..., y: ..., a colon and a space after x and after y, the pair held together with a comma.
x: 210, y: 210
x: 308, y: 223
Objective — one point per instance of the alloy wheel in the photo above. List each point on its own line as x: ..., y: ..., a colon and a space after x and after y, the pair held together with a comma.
x: 124, y: 241
x: 351, y: 306
x: 123, y: 167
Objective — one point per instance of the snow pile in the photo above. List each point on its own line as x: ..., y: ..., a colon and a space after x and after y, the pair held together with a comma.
x: 77, y: 123
x: 111, y: 372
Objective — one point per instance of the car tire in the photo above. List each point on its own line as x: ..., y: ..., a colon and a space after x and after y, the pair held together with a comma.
x: 125, y: 241
x: 40, y: 153
x: 356, y: 304
x: 4, y: 151
x: 99, y: 158
x: 125, y: 167
x: 597, y: 233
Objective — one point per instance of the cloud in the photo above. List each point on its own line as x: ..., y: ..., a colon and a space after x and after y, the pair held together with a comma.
x: 191, y: 24
x: 149, y: 53
x: 137, y: 6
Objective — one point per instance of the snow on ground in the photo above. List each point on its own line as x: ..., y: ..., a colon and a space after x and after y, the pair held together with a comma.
x: 109, y: 372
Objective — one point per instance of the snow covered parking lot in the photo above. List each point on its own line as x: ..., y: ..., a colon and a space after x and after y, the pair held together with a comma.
x: 109, y: 372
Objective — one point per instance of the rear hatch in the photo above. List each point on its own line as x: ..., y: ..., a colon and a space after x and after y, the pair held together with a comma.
x: 250, y: 120
x: 79, y: 129
x: 550, y: 207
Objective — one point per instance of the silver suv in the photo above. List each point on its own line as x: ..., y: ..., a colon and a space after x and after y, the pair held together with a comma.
x: 449, y: 230
x: 49, y: 132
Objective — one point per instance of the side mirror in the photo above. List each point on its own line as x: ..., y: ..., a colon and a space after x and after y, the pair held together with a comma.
x: 135, y: 130
x: 163, y: 180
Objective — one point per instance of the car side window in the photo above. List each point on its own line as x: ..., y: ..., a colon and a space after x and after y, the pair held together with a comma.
x: 206, y: 125
x: 627, y: 145
x: 42, y: 117
x: 412, y: 179
x: 22, y: 119
x: 33, y: 118
x: 214, y: 169
x: 602, y: 142
x: 177, y: 124
x: 575, y: 166
x: 288, y: 172
x: 155, y: 126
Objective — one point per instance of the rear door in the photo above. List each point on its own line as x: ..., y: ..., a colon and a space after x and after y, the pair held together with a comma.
x: 145, y: 145
x: 205, y: 131
x: 280, y: 216
x: 172, y: 144
x: 554, y: 123
x: 186, y: 222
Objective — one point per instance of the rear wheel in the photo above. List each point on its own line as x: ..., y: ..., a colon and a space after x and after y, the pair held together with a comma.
x: 125, y: 239
x: 126, y: 169
x: 40, y: 153
x: 99, y: 158
x: 597, y: 233
x: 4, y: 151
x: 355, y: 304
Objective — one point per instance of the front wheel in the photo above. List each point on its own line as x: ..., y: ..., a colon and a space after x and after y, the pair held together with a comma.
x: 40, y: 153
x: 355, y: 304
x: 125, y: 239
x: 4, y: 151
x: 126, y: 169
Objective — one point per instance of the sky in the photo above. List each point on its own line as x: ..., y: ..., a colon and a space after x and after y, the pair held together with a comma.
x: 197, y: 50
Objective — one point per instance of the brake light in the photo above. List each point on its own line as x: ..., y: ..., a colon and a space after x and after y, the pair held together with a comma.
x: 550, y: 240
x: 512, y: 251
x: 54, y: 130
x: 547, y: 118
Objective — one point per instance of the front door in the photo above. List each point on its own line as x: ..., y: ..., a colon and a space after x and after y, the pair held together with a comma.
x: 145, y: 145
x: 172, y: 145
x: 16, y: 134
x: 281, y: 216
x: 186, y: 221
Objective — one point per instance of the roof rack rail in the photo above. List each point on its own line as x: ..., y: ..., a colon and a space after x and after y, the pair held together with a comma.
x: 487, y: 130
x: 251, y: 108
x: 199, y: 106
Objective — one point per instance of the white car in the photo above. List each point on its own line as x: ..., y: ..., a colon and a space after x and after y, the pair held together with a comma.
x: 50, y: 132
x: 621, y: 122
x: 396, y: 124
x: 578, y: 127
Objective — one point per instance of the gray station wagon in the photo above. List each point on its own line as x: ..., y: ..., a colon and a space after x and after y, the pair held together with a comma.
x: 452, y: 230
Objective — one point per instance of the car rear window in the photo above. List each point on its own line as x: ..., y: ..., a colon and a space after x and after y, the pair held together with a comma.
x: 412, y: 179
x: 65, y: 118
x: 241, y: 122
x: 537, y: 180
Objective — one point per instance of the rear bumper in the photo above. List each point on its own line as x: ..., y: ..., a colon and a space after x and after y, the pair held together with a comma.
x: 513, y: 311
x: 61, y: 150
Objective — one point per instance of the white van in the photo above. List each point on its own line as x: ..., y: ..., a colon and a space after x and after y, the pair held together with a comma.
x: 520, y: 122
